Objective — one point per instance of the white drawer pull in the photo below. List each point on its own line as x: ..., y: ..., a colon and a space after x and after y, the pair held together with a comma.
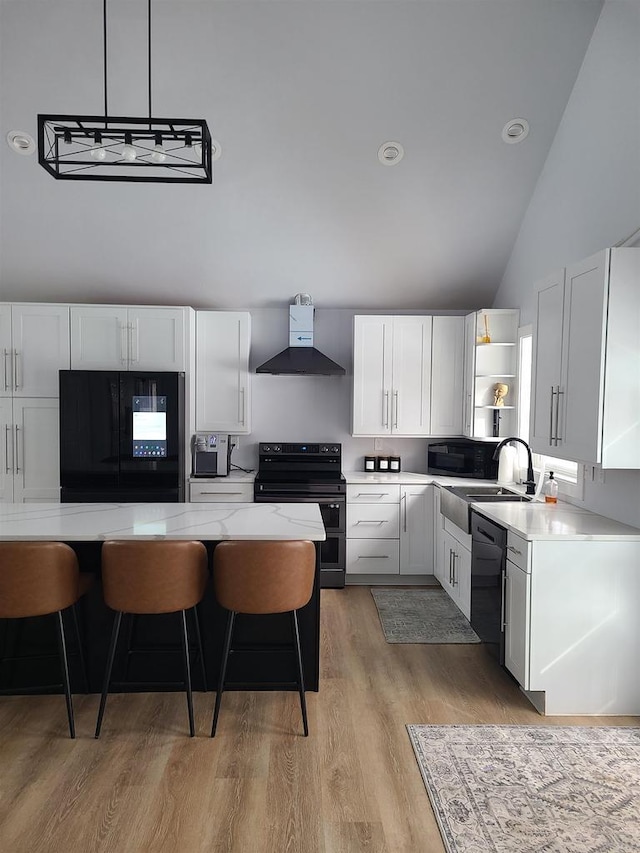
x: 219, y: 493
x: 372, y: 494
x: 515, y: 550
x: 371, y: 522
x: 373, y: 557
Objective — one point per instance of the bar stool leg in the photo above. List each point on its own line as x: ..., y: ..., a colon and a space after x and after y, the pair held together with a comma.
x: 223, y: 670
x: 196, y: 620
x: 83, y: 662
x: 187, y: 672
x: 303, y: 701
x: 107, y: 675
x: 65, y: 672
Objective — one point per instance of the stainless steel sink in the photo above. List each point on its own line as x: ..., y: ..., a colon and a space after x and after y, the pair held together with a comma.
x: 455, y: 501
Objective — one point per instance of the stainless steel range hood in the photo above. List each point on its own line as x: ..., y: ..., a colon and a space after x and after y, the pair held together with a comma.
x: 301, y: 358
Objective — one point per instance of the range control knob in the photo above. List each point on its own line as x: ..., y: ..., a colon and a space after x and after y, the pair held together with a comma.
x: 276, y: 448
x: 266, y: 448
x: 324, y: 449
x: 335, y: 449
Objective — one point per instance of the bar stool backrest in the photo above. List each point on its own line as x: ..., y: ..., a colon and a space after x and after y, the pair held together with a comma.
x: 160, y: 576
x: 37, y: 578
x: 264, y: 576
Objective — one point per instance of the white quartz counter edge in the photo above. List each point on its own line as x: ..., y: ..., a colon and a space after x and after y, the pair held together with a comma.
x: 538, y: 521
x: 232, y: 477
x: 200, y: 521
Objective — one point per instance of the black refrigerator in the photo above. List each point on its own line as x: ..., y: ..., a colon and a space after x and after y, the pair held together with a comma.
x: 121, y: 436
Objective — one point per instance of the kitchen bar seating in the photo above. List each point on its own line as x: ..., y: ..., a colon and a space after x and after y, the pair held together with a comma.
x: 263, y: 577
x: 153, y: 577
x: 41, y: 578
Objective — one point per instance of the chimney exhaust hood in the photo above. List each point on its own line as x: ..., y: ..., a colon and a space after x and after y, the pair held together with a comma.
x: 301, y: 358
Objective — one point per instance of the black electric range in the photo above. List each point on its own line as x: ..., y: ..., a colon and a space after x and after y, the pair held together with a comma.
x: 309, y: 473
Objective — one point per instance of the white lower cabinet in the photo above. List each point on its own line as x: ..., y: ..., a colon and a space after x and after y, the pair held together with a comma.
x: 29, y: 450
x: 389, y: 529
x: 571, y: 625
x: 455, y: 570
x: 223, y: 491
x: 517, y: 607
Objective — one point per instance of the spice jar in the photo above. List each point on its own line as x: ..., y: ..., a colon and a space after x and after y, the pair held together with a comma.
x: 394, y: 464
x: 383, y: 463
x: 369, y: 463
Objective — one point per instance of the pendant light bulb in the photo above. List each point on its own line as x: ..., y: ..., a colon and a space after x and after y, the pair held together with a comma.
x: 97, y: 151
x: 129, y: 153
x: 158, y: 154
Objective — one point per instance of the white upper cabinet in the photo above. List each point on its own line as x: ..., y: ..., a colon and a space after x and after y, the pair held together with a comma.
x: 447, y: 375
x: 490, y: 359
x: 113, y: 337
x: 392, y: 375
x: 223, y: 391
x: 586, y: 400
x: 34, y: 340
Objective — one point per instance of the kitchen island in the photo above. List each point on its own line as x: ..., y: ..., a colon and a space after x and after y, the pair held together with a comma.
x: 154, y: 661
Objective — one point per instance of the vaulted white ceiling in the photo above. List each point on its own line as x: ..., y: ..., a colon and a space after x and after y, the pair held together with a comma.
x: 300, y: 94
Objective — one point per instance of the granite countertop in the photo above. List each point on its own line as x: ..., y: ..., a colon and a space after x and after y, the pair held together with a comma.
x: 539, y: 521
x: 204, y: 521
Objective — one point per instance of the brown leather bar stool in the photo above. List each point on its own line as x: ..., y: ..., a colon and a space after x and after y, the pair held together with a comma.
x: 38, y: 579
x: 263, y: 577
x: 151, y: 577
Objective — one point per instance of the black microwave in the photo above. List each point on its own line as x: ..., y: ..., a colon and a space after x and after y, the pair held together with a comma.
x: 460, y: 457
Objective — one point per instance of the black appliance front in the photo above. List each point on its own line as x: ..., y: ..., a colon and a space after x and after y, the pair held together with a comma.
x: 488, y: 567
x: 309, y: 473
x: 460, y: 457
x: 121, y: 436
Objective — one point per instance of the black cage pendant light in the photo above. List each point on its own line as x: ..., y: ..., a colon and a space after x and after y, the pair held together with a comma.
x: 108, y: 148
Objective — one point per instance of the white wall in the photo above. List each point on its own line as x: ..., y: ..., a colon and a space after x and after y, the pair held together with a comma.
x: 312, y: 408
x: 588, y: 194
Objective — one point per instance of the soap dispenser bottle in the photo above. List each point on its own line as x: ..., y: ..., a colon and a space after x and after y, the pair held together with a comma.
x: 551, y: 490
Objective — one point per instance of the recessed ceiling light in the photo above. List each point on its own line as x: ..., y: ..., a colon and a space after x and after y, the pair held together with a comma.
x: 515, y: 130
x: 21, y: 142
x: 390, y: 153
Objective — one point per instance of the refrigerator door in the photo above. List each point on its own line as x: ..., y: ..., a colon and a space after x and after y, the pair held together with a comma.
x: 89, y: 431
x: 152, y: 434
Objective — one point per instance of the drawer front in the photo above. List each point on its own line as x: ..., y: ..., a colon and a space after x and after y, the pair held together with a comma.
x: 221, y: 492
x: 374, y: 493
x: 377, y: 557
x: 371, y: 521
x: 518, y: 551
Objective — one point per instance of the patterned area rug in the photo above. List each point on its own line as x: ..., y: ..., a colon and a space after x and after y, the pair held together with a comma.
x: 421, y: 616
x: 527, y: 789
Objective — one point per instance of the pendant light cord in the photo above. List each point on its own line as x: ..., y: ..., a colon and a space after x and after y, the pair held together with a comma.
x: 149, y: 40
x: 104, y: 51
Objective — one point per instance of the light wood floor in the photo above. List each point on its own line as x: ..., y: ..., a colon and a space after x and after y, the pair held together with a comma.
x: 259, y: 786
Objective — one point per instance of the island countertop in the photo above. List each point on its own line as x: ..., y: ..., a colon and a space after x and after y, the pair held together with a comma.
x: 77, y: 522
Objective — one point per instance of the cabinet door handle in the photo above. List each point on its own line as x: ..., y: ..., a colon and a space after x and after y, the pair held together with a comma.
x: 7, y: 469
x: 503, y: 608
x: 450, y: 567
x: 7, y: 387
x: 134, y: 355
x: 124, y: 342
x: 385, y: 409
x: 551, y: 417
x: 373, y: 556
x: 514, y: 550
x: 455, y: 571
x: 395, y: 419
x: 557, y: 436
x: 404, y: 512
x: 16, y: 381
x: 16, y: 451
